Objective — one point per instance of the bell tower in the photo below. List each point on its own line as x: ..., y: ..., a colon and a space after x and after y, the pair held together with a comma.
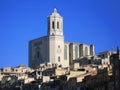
x: 56, y: 38
x: 55, y: 24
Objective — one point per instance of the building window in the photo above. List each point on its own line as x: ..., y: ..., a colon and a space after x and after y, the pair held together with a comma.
x: 53, y: 34
x: 65, y: 52
x: 58, y: 46
x: 86, y: 51
x: 76, y: 52
x: 53, y: 25
x: 57, y: 25
x: 59, y: 59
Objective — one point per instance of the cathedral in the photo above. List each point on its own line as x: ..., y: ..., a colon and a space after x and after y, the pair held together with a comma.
x: 53, y: 49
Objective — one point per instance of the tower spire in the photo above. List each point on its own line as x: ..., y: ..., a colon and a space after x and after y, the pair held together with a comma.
x: 55, y: 10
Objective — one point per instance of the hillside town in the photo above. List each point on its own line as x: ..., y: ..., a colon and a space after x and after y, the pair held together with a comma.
x: 87, y: 73
x: 58, y: 65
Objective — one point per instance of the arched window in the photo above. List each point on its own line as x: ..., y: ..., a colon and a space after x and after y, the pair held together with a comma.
x: 57, y: 25
x: 53, y: 34
x: 76, y: 52
x: 86, y: 51
x: 53, y: 24
x: 59, y: 59
x: 58, y: 46
x: 65, y: 52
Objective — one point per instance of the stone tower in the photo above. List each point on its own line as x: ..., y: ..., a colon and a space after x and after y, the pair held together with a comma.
x: 56, y: 38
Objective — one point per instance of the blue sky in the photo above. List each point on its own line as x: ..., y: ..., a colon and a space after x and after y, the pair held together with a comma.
x: 86, y: 21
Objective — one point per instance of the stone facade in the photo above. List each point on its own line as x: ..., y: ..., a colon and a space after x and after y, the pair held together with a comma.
x: 38, y: 51
x: 53, y: 49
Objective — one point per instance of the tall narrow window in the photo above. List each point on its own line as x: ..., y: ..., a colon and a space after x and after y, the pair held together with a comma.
x: 53, y: 25
x: 59, y: 59
x: 58, y: 46
x: 57, y: 25
x: 76, y: 52
x: 86, y: 51
x: 65, y: 52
